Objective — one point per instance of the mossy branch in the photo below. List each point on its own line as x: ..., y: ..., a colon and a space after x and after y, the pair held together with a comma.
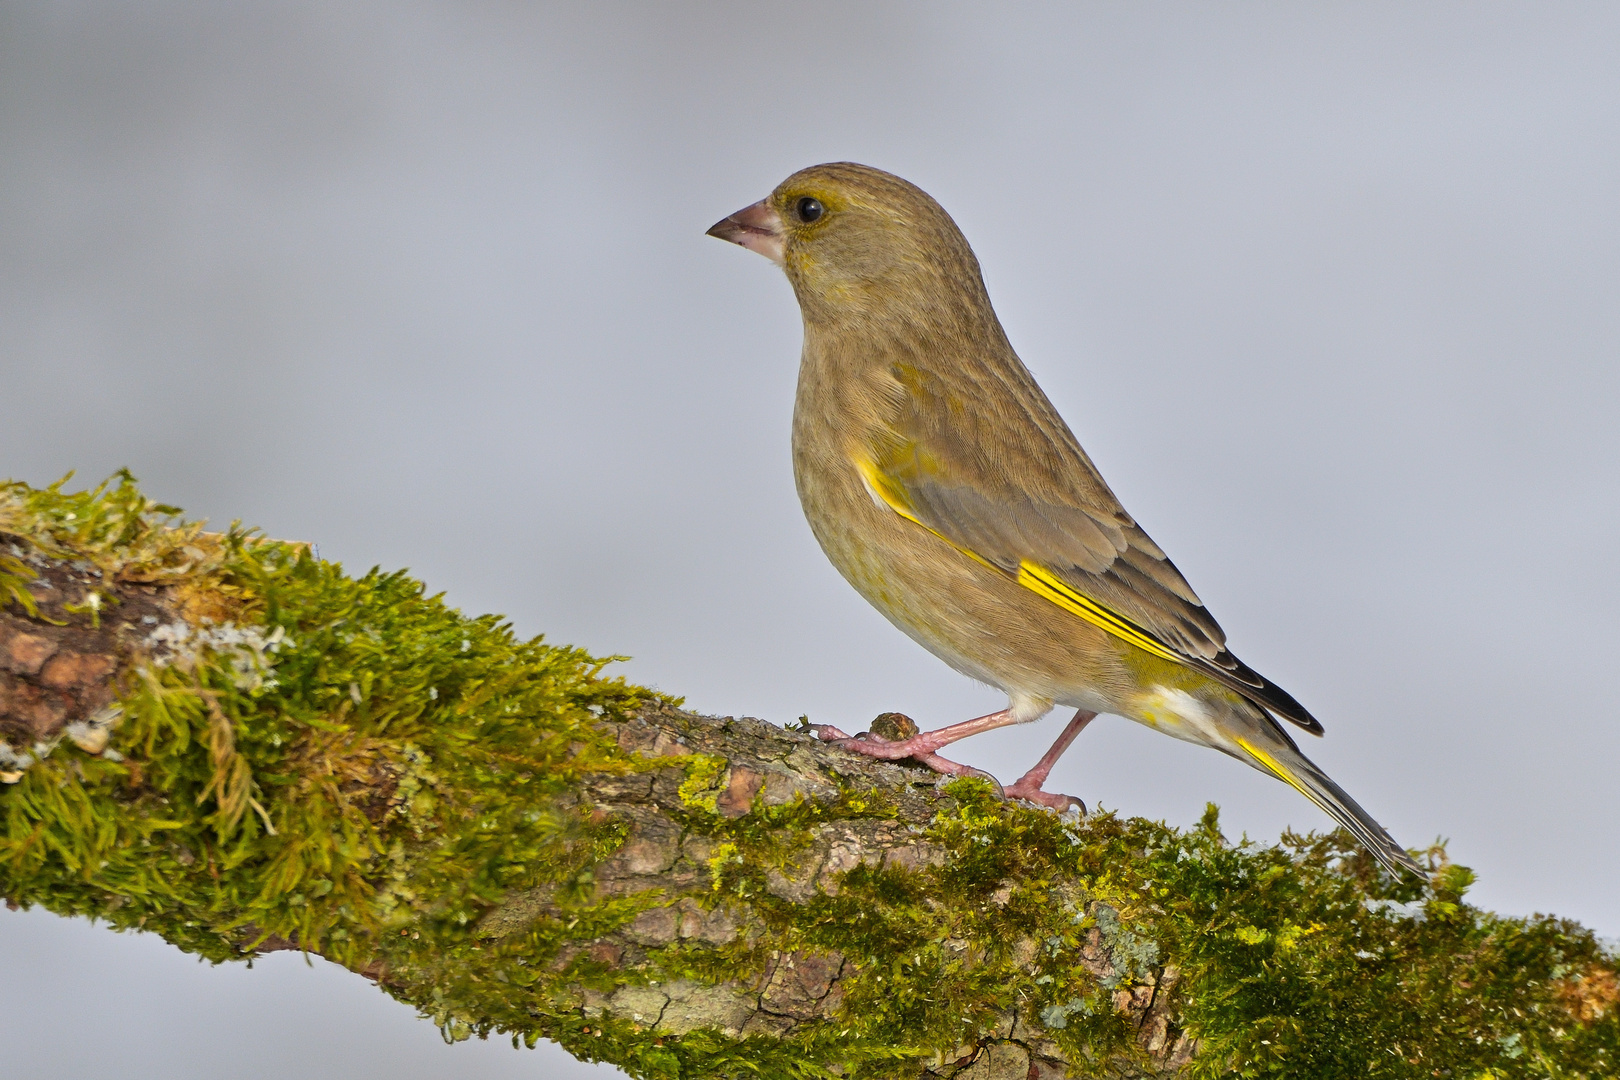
x: 229, y: 742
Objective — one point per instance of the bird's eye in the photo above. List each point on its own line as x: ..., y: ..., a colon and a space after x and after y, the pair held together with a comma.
x: 808, y: 209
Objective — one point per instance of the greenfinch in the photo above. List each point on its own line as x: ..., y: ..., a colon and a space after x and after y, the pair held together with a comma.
x: 947, y: 490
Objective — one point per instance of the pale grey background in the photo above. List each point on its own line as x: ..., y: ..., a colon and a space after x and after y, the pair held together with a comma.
x: 1328, y: 292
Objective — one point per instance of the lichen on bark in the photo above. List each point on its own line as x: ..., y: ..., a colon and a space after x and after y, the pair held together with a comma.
x: 224, y: 740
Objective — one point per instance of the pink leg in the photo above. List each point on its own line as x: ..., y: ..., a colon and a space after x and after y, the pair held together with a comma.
x: 1029, y: 785
x: 922, y: 745
x: 860, y: 743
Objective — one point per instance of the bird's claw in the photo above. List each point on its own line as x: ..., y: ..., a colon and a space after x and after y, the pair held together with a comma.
x: 953, y: 768
x: 1032, y: 793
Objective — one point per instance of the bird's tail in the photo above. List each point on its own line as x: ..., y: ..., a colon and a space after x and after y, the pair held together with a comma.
x: 1282, y: 759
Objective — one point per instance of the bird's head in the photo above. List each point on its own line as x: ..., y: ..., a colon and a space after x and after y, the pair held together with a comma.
x: 861, y: 244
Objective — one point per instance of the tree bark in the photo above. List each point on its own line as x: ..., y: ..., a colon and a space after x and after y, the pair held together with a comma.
x: 61, y: 679
x: 233, y: 744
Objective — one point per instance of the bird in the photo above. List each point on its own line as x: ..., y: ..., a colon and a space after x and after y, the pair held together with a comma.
x: 944, y: 486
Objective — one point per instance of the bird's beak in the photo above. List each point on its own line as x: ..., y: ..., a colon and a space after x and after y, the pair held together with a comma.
x: 757, y: 228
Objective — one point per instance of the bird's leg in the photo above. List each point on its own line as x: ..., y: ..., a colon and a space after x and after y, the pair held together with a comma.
x: 1028, y: 786
x: 919, y: 746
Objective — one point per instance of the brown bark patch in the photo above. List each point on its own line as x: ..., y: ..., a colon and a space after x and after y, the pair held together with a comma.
x: 76, y: 671
x: 64, y: 664
x: 800, y: 983
x: 29, y: 710
x: 738, y: 798
x: 22, y: 653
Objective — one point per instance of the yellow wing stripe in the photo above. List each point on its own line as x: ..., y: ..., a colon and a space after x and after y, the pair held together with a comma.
x: 1032, y: 576
x: 1041, y: 581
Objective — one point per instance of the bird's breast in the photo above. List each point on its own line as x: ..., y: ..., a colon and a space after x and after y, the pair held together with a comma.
x: 974, y: 617
x: 839, y: 415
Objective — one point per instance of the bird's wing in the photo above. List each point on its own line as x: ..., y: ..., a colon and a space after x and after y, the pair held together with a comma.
x: 1004, y: 480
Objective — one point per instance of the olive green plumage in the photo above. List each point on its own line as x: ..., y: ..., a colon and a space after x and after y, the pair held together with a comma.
x: 945, y: 487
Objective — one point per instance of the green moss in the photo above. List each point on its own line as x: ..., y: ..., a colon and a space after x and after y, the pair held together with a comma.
x: 267, y: 782
x: 700, y: 790
x: 348, y: 763
x: 14, y: 579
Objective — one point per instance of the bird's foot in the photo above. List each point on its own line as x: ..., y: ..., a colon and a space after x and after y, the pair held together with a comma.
x: 874, y: 745
x: 894, y: 736
x: 1030, y: 791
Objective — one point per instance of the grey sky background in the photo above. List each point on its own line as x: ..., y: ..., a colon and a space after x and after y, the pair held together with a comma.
x: 1329, y: 292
